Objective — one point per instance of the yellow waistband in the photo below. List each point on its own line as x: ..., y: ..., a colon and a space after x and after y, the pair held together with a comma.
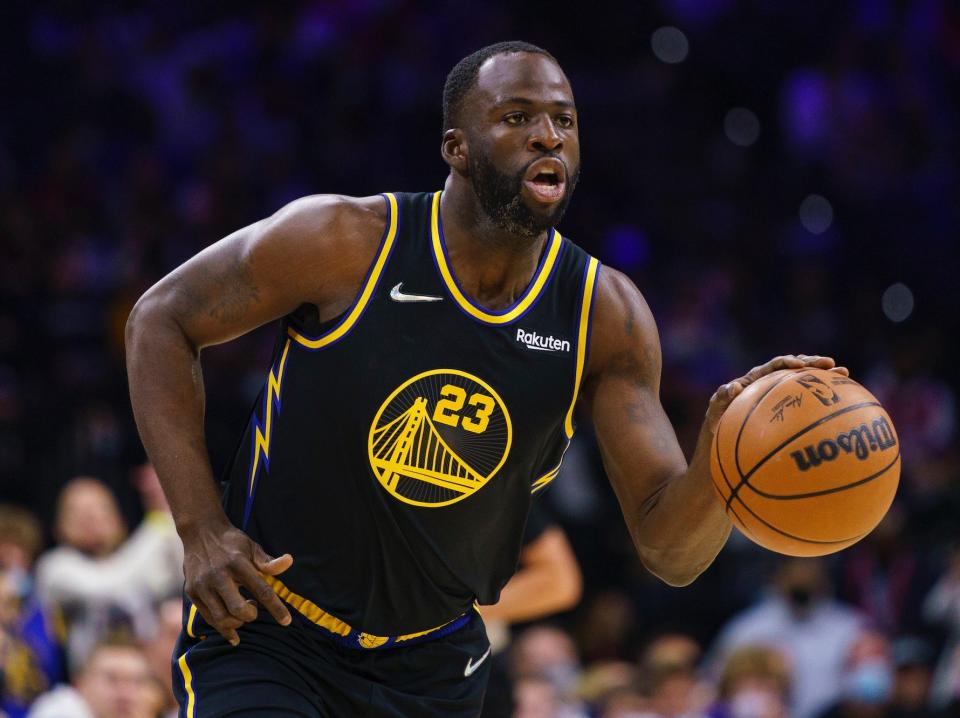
x: 344, y: 630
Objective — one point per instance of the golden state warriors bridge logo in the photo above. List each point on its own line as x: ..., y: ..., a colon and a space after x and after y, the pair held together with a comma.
x: 439, y: 438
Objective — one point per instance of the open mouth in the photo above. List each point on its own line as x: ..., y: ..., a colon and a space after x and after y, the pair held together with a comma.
x: 546, y: 180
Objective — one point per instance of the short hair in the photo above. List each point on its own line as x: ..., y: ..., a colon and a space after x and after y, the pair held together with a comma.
x: 754, y: 661
x: 117, y: 639
x: 463, y: 76
x: 21, y: 528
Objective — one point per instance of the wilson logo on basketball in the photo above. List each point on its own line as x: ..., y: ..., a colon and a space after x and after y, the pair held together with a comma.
x: 859, y: 441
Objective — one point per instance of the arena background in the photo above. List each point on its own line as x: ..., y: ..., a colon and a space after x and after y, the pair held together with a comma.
x: 776, y: 177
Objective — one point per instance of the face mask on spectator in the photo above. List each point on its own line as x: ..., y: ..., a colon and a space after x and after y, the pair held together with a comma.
x: 563, y: 676
x: 754, y: 703
x: 20, y: 581
x: 870, y: 682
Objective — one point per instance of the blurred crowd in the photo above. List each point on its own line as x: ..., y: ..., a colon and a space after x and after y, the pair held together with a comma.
x: 778, y: 177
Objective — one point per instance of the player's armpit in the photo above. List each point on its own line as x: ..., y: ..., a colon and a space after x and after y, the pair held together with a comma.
x: 675, y: 520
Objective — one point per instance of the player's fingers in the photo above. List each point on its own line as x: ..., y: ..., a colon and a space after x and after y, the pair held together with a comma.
x: 720, y: 400
x: 265, y: 596
x: 274, y: 566
x: 820, y: 362
x: 217, y: 616
x: 787, y: 361
x: 840, y: 370
x: 237, y: 606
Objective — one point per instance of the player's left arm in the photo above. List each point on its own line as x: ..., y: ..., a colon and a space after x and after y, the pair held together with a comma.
x: 676, y: 521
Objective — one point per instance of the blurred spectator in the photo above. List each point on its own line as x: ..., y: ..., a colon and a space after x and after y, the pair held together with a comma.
x: 21, y: 538
x: 624, y: 704
x: 913, y: 661
x: 159, y: 650
x: 31, y: 656
x: 886, y: 576
x: 923, y: 408
x: 942, y: 606
x: 611, y: 687
x: 114, y: 682
x: 867, y: 680
x: 668, y: 678
x: 536, y: 697
x: 670, y: 651
x: 754, y: 683
x: 608, y: 626
x: 101, y: 582
x: 798, y: 618
x: 547, y: 581
x: 545, y: 653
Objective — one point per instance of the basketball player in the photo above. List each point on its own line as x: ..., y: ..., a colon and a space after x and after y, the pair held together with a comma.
x: 432, y: 349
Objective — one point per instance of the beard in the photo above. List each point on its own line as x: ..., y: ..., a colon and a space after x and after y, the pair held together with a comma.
x: 500, y: 199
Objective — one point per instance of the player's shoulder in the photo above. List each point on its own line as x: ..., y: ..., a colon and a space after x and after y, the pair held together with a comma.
x: 619, y: 303
x: 319, y: 214
x: 615, y: 289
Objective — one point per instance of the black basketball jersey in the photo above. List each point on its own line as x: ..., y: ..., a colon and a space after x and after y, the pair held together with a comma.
x: 393, y: 451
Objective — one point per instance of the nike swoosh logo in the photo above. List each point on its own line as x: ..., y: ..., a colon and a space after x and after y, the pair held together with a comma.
x: 398, y: 296
x: 471, y: 666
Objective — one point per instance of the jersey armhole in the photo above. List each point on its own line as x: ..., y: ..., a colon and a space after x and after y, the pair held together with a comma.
x: 367, y: 288
x: 583, y: 337
x: 583, y: 346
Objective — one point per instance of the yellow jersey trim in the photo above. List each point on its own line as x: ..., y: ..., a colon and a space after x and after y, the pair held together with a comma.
x: 317, y: 615
x: 187, y: 685
x: 545, y: 479
x: 190, y: 618
x: 554, y: 243
x: 308, y: 608
x: 550, y: 475
x: 261, y: 439
x: 366, y: 292
x: 582, y: 338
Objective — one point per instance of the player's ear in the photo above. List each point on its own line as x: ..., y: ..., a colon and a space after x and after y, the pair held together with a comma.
x: 453, y: 149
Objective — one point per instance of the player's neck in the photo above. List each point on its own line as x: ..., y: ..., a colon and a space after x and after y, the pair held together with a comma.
x: 493, y: 266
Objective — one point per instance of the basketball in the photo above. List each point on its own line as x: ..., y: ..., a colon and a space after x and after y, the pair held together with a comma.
x: 806, y: 462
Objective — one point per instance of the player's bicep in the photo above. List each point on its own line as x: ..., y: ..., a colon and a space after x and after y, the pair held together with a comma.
x: 637, y: 442
x: 225, y: 290
x: 258, y: 273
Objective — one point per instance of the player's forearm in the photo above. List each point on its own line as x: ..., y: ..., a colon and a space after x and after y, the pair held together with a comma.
x: 167, y: 396
x: 681, y: 529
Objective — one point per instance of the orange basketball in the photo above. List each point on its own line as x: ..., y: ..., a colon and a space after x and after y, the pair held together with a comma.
x: 806, y: 462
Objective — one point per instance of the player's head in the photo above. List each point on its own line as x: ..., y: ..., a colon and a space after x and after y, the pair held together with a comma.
x: 510, y: 129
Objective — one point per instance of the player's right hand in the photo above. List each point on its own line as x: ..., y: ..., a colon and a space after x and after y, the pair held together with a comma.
x: 216, y: 564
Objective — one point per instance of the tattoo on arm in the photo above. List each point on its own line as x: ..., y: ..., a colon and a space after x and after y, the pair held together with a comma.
x: 234, y: 296
x: 629, y: 322
x: 224, y: 296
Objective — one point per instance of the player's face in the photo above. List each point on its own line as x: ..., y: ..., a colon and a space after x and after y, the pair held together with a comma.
x: 524, y: 146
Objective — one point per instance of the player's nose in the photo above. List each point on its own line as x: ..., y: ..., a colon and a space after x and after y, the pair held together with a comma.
x: 544, y: 136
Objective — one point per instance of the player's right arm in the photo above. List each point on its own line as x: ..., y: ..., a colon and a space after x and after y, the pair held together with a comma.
x: 314, y: 251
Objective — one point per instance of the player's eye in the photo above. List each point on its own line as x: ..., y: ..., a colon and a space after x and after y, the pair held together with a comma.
x: 564, y: 121
x: 515, y: 118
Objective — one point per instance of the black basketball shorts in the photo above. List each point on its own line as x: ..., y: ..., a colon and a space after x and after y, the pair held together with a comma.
x: 297, y: 670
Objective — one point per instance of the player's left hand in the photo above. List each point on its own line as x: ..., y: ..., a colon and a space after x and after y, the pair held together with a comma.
x: 728, y: 392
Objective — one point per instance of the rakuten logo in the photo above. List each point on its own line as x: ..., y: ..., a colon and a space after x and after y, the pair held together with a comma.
x: 532, y: 340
